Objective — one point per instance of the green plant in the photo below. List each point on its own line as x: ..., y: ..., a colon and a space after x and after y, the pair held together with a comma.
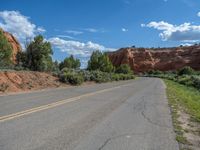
x: 196, y: 82
x: 38, y: 55
x: 100, y: 61
x: 185, y: 79
x: 87, y: 75
x: 186, y: 71
x: 155, y: 72
x: 5, y: 51
x: 72, y: 78
x: 70, y: 62
x: 124, y: 68
x: 100, y: 77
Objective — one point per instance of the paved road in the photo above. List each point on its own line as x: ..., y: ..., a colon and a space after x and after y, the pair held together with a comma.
x: 128, y: 115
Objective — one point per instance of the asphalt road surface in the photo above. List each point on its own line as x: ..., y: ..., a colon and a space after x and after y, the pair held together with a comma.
x: 127, y: 115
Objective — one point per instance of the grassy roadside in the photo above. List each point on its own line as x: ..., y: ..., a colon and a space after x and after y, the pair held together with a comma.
x: 185, y: 107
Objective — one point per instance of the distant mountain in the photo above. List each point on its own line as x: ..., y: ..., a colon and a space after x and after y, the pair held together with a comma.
x: 163, y: 59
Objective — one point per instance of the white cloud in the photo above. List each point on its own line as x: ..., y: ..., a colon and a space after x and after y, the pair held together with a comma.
x: 91, y: 30
x: 41, y: 30
x: 78, y: 49
x: 19, y: 25
x: 74, y: 32
x: 187, y: 44
x: 185, y: 32
x: 198, y: 14
x: 65, y: 36
x: 124, y: 30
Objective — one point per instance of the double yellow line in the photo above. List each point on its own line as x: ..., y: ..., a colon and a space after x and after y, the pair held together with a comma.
x: 51, y: 105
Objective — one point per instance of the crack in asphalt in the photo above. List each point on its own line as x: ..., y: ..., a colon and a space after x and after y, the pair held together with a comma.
x: 116, y: 137
x: 105, y: 143
x: 147, y: 118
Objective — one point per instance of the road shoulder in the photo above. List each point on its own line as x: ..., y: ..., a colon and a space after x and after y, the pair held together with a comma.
x: 185, y: 106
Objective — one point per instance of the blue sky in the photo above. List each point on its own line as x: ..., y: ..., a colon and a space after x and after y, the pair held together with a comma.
x: 80, y: 26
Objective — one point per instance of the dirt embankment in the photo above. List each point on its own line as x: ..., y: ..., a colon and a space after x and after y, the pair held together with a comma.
x: 21, y: 81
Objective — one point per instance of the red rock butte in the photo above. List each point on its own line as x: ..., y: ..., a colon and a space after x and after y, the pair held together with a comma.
x: 164, y: 59
x: 14, y: 44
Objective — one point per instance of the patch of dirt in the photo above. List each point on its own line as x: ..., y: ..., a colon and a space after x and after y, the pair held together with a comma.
x: 22, y: 81
x: 190, y: 131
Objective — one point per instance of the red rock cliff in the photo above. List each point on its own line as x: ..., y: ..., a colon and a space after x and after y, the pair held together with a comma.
x: 164, y: 59
x: 14, y: 43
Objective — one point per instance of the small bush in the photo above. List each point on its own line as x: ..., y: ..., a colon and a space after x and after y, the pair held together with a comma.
x: 72, y: 78
x: 116, y: 77
x: 76, y: 77
x: 155, y: 72
x: 186, y: 80
x: 70, y: 62
x: 100, y: 77
x: 87, y: 75
x: 196, y: 82
x: 125, y: 69
x: 186, y: 71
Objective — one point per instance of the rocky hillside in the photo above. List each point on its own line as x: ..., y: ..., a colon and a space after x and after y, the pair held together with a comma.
x: 164, y: 59
x: 14, y: 43
x: 21, y: 81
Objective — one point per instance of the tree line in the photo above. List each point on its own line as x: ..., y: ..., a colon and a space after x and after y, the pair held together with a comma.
x: 38, y: 57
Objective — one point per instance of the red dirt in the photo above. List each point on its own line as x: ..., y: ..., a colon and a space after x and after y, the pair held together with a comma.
x: 20, y: 81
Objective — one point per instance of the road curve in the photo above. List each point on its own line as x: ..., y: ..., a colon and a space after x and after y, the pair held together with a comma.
x: 128, y: 115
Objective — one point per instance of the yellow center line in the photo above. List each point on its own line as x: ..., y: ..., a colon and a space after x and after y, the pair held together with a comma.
x: 51, y: 105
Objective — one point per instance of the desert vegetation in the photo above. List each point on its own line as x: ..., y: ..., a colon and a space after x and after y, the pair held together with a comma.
x: 99, y: 70
x: 186, y: 76
x: 38, y: 57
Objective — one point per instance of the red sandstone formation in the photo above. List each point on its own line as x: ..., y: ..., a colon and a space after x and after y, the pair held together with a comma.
x: 14, y: 43
x: 163, y: 59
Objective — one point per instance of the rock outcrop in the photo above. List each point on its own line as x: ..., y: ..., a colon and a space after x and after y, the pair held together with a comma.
x: 14, y: 43
x: 163, y: 59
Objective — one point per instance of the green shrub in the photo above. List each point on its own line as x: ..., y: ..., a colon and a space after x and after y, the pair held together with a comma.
x: 72, y: 78
x: 124, y: 68
x: 196, y: 82
x: 115, y: 77
x: 100, y: 77
x: 155, y: 72
x: 70, y: 62
x: 186, y: 71
x: 87, y: 75
x: 78, y: 76
x: 186, y: 80
x: 68, y: 70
